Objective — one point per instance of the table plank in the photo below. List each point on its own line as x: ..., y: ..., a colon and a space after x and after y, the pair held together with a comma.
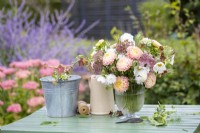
x: 104, y: 124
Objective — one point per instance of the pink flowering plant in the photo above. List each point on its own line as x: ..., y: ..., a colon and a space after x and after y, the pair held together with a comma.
x: 20, y: 89
x: 131, y: 60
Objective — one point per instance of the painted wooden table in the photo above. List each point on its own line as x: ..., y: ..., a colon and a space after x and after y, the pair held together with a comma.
x: 189, y: 122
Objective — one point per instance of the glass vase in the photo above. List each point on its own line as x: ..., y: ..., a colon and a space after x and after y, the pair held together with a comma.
x: 130, y: 102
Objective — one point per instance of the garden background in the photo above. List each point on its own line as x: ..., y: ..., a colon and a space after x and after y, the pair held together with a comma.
x: 33, y: 33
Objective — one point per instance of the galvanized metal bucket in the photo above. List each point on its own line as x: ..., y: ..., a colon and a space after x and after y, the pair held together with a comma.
x: 61, y: 99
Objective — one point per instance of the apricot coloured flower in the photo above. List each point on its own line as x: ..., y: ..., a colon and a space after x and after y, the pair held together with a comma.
x: 124, y: 63
x: 109, y: 58
x: 121, y: 84
x: 134, y: 52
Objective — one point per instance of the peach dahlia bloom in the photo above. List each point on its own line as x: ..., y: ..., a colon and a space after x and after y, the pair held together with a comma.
x: 121, y: 84
x: 134, y: 52
x: 123, y: 64
x: 151, y: 80
x: 109, y: 58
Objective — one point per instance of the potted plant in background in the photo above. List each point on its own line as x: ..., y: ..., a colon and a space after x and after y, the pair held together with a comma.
x: 61, y: 91
x: 129, y: 66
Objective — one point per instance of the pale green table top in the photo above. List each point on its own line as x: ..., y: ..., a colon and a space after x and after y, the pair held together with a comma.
x: 106, y: 124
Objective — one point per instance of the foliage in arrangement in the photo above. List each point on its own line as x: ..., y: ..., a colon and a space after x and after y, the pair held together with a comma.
x: 182, y: 86
x: 51, y: 34
x: 20, y: 89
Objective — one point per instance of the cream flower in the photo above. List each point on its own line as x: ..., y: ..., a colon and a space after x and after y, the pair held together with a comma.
x: 100, y: 42
x: 134, y: 52
x: 120, y: 56
x: 93, y: 53
x: 151, y: 80
x: 109, y: 58
x: 121, y: 84
x: 156, y: 43
x: 126, y: 37
x: 138, y: 69
x: 159, y: 67
x: 123, y: 64
x: 146, y: 41
x: 111, y: 50
x: 101, y: 79
x: 110, y: 79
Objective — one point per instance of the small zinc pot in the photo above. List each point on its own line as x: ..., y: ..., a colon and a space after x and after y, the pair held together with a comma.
x: 61, y: 99
x: 101, y: 99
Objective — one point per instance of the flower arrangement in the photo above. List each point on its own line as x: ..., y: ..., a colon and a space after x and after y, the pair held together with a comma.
x: 131, y: 60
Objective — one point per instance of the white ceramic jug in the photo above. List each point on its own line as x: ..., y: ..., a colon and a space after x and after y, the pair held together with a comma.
x: 101, y: 99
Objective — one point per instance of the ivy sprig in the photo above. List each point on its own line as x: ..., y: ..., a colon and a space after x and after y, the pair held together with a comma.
x: 159, y: 117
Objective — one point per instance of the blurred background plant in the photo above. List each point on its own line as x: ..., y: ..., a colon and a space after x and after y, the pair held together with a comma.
x: 30, y: 35
x: 20, y: 88
x: 174, y: 23
x: 27, y: 37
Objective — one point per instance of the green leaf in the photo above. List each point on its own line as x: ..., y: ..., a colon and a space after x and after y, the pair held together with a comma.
x: 53, y: 123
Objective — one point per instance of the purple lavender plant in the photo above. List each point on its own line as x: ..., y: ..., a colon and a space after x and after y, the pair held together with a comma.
x: 53, y: 36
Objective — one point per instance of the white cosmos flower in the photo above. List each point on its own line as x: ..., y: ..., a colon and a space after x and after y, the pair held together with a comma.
x: 127, y: 37
x: 120, y: 56
x: 93, y: 53
x: 110, y: 79
x: 110, y: 50
x: 101, y: 79
x: 159, y: 67
x: 141, y: 74
x: 141, y: 77
x: 139, y: 69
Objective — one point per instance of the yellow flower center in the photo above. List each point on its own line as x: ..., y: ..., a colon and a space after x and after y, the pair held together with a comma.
x: 134, y: 51
x: 118, y: 84
x: 107, y: 54
x: 159, y: 65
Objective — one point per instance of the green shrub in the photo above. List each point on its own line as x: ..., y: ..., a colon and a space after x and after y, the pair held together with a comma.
x: 156, y: 20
